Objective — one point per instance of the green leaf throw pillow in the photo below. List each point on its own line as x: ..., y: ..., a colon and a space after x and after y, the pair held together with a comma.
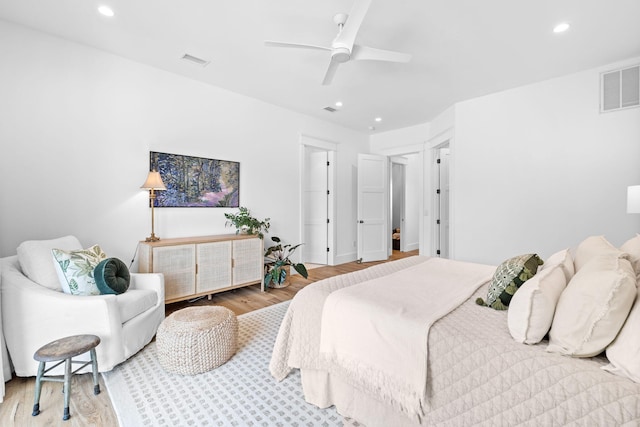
x: 112, y: 276
x: 509, y: 276
x: 75, y: 269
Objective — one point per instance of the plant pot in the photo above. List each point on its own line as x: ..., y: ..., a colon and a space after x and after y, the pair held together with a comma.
x: 287, y: 277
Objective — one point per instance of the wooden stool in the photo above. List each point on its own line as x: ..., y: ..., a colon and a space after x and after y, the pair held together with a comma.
x: 64, y: 350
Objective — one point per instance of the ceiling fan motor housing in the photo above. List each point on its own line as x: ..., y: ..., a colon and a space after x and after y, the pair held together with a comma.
x: 340, y: 54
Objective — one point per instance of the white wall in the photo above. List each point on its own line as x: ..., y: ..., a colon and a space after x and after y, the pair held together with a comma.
x: 538, y: 169
x: 76, y: 128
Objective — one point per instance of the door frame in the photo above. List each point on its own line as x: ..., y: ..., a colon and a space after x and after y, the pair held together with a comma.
x: 331, y: 148
x: 442, y: 140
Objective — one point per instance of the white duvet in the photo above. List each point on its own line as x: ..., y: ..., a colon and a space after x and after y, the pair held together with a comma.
x: 374, y: 333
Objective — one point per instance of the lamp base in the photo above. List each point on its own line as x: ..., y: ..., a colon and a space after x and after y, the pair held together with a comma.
x: 152, y: 238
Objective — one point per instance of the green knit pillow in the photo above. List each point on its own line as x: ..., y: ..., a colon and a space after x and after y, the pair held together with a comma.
x: 112, y: 276
x: 509, y: 276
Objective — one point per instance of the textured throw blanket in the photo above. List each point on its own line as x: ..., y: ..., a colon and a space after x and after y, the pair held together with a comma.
x: 375, y: 333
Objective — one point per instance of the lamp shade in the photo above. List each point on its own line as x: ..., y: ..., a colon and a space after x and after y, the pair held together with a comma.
x: 633, y: 199
x: 154, y: 181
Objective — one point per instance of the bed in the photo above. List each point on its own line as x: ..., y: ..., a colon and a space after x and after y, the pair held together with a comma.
x: 476, y: 373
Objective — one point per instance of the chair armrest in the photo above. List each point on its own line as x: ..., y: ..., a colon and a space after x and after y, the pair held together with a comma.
x: 150, y: 281
x: 33, y: 315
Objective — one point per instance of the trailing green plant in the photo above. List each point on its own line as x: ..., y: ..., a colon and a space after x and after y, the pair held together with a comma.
x: 277, y: 257
x: 244, y: 222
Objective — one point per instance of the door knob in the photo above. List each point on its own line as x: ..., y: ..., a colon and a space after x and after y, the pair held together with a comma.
x: 361, y: 222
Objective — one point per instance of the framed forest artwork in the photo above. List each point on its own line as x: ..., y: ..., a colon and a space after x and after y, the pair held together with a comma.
x: 196, y: 181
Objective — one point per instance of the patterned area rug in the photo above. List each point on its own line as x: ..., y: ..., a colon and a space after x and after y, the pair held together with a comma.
x: 241, y: 392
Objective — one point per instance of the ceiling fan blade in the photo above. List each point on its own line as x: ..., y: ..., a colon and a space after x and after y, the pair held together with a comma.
x: 295, y: 45
x: 331, y: 71
x: 370, y: 53
x: 346, y: 37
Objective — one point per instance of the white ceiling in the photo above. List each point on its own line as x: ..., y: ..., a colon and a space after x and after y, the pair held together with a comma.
x: 461, y: 48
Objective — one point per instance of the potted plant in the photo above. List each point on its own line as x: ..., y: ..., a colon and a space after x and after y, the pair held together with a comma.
x: 247, y: 224
x: 278, y: 263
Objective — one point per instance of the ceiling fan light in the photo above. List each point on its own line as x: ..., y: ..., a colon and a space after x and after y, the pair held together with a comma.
x: 106, y: 11
x: 561, y: 27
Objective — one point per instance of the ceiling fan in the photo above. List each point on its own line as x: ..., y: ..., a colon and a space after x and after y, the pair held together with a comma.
x: 343, y: 48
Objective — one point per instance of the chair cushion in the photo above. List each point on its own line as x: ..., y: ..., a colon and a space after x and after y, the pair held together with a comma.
x: 75, y: 269
x: 112, y: 276
x: 134, y: 302
x: 34, y: 257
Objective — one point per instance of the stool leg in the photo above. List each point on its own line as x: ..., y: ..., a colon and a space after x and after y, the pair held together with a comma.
x: 94, y: 369
x: 67, y: 388
x: 36, y: 399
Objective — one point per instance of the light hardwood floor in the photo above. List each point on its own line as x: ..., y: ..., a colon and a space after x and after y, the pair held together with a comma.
x: 89, y: 410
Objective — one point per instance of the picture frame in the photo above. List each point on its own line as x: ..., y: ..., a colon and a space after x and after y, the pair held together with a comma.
x: 196, y: 181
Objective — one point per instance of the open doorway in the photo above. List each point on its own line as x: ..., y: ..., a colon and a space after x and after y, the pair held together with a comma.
x: 405, y: 202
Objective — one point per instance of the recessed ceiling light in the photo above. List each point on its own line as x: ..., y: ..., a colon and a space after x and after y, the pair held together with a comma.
x: 378, y: 119
x: 561, y: 28
x: 338, y: 103
x: 106, y: 11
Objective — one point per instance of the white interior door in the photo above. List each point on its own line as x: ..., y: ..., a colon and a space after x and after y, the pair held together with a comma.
x: 373, y: 208
x: 443, y: 203
x: 315, y: 206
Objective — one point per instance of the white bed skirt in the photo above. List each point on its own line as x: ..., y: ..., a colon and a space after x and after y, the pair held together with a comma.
x: 323, y: 390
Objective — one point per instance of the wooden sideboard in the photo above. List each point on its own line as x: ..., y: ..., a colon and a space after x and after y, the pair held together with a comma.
x: 204, y: 265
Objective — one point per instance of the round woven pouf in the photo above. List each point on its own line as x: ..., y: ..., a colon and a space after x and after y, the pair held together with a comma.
x: 197, y: 339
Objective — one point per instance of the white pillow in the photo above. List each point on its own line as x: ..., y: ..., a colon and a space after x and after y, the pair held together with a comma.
x: 624, y: 351
x: 533, y: 305
x: 593, y: 307
x: 34, y: 257
x: 632, y: 247
x: 591, y: 247
x: 75, y: 269
x: 564, y: 259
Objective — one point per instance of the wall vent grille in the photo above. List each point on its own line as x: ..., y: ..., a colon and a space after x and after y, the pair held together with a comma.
x: 330, y: 109
x: 201, y: 62
x: 620, y: 89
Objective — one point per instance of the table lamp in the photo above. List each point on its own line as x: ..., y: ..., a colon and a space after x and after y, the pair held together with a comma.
x: 153, y: 183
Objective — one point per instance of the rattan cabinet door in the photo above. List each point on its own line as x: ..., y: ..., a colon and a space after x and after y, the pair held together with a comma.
x: 178, y: 264
x: 247, y: 261
x: 214, y: 266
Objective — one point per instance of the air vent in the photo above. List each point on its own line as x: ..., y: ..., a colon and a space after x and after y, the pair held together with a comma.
x: 201, y: 62
x: 620, y: 89
x: 330, y: 109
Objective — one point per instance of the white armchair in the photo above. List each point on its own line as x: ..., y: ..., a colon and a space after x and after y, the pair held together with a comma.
x: 34, y: 315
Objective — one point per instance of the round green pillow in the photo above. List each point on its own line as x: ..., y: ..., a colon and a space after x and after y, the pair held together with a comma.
x: 112, y: 276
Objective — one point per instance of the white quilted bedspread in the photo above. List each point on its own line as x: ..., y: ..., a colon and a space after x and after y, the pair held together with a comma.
x: 478, y: 375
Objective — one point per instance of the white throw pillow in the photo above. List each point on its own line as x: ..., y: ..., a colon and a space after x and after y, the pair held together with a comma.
x: 564, y: 259
x: 34, y: 257
x: 624, y: 351
x: 75, y: 269
x: 591, y: 247
x: 632, y: 247
x: 593, y: 307
x: 533, y: 305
